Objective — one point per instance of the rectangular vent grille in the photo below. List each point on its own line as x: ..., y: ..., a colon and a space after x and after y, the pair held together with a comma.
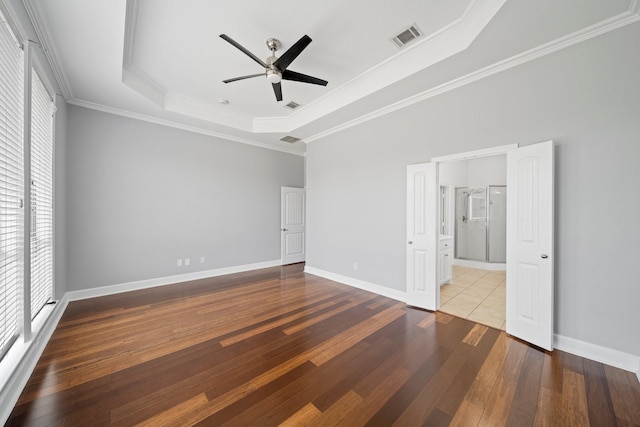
x: 290, y: 139
x: 292, y: 105
x: 407, y: 36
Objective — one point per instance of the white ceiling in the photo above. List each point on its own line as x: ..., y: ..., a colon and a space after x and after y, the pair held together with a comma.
x: 163, y: 60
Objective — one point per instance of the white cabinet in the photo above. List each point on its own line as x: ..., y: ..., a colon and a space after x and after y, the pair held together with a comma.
x: 445, y: 259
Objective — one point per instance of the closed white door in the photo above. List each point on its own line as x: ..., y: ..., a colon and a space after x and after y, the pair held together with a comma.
x: 422, y: 236
x: 292, y: 225
x: 530, y: 244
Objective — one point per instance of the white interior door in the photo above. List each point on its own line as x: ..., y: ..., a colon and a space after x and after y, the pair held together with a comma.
x: 530, y: 244
x: 292, y: 225
x: 422, y: 236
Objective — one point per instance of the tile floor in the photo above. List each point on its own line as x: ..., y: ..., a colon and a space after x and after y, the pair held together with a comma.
x: 478, y: 295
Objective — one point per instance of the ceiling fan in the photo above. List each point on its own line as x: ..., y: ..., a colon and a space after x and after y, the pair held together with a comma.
x: 275, y: 69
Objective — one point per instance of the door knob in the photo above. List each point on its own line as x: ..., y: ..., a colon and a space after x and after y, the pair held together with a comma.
x: 285, y: 229
x: 410, y: 242
x: 544, y: 256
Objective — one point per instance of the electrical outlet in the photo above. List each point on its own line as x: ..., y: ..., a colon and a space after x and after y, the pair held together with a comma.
x: 201, y: 260
x: 355, y: 265
x: 187, y: 261
x: 179, y: 262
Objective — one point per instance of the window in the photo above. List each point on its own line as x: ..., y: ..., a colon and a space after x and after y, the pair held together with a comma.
x: 26, y: 195
x: 41, y: 235
x: 11, y: 184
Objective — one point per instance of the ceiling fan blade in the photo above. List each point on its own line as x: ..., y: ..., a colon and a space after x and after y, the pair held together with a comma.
x: 243, y: 49
x: 299, y: 77
x: 243, y: 77
x: 292, y: 53
x: 277, y: 89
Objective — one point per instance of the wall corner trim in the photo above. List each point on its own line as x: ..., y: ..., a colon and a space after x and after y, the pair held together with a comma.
x: 615, y: 358
x: 360, y: 284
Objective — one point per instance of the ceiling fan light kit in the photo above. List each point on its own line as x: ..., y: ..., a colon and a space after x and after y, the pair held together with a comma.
x: 275, y: 69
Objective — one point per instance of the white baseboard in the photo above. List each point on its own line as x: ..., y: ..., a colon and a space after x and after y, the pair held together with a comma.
x: 168, y: 280
x: 23, y: 357
x: 614, y: 358
x: 360, y: 284
x: 587, y: 350
x: 492, y: 266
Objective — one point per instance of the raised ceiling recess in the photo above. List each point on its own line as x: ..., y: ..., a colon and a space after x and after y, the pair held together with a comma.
x: 173, y: 54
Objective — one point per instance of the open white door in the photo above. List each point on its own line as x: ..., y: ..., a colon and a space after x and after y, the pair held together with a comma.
x: 530, y: 244
x: 292, y: 225
x: 422, y: 237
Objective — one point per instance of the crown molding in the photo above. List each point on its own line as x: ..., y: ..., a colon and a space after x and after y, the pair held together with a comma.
x: 440, y: 45
x: 448, y: 41
x: 628, y: 17
x: 181, y: 126
x: 44, y: 36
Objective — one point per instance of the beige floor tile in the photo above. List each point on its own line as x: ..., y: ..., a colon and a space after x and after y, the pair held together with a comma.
x: 476, y: 272
x: 485, y: 285
x: 501, y: 275
x: 478, y: 292
x: 484, y: 311
x: 469, y: 298
x: 493, y: 303
x: 477, y: 295
x: 459, y: 308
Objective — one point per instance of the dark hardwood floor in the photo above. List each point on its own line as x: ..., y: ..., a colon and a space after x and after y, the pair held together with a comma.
x: 280, y: 347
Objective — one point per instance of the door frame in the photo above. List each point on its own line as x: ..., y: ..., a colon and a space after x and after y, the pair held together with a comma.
x: 468, y: 155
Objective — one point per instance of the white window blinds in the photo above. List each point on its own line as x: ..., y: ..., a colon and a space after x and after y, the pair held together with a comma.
x: 42, y: 109
x: 11, y: 190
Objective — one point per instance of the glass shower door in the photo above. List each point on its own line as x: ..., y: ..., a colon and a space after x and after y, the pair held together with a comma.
x: 471, y: 223
x: 497, y: 224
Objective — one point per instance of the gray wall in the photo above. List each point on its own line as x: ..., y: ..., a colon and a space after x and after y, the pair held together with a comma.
x: 140, y: 196
x: 586, y: 98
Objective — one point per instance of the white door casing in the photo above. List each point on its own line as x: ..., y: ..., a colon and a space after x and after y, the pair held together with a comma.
x: 530, y: 285
x: 292, y: 225
x: 422, y: 236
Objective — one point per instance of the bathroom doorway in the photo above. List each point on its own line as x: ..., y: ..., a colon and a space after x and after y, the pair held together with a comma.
x: 476, y: 222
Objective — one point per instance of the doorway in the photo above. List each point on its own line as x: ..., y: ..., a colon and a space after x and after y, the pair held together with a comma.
x: 476, y: 285
x: 530, y: 238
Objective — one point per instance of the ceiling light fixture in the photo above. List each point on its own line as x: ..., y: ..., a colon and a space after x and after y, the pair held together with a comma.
x: 274, y: 76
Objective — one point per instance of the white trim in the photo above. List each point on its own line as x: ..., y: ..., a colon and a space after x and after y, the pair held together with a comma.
x: 168, y: 280
x: 14, y: 22
x: 436, y: 47
x: 491, y: 266
x: 176, y: 125
x: 442, y: 44
x: 615, y: 358
x: 600, y: 28
x: 360, y: 284
x: 22, y: 358
x: 468, y: 155
x: 44, y: 37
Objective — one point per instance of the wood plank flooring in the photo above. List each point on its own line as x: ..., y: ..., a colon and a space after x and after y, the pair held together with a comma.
x: 280, y: 347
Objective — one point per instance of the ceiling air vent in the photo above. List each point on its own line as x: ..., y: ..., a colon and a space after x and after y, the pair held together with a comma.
x: 407, y: 36
x: 290, y: 139
x: 292, y: 105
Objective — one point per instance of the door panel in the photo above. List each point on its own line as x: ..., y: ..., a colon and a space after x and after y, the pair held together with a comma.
x: 530, y: 244
x: 292, y: 225
x: 422, y: 236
